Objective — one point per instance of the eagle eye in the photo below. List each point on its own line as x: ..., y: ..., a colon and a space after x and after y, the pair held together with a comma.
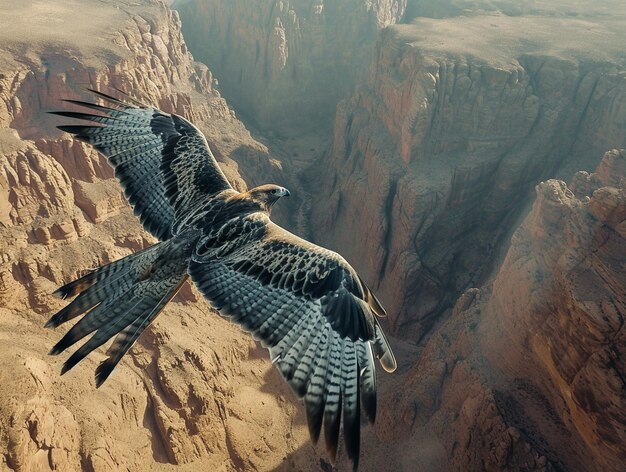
x: 274, y: 192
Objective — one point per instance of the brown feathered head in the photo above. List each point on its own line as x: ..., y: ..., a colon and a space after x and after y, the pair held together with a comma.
x: 267, y: 195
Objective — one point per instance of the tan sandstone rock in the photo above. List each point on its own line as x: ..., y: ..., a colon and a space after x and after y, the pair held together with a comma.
x: 180, y: 398
x: 286, y: 63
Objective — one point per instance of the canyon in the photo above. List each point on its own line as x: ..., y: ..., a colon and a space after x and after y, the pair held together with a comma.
x: 286, y: 64
x: 528, y: 371
x: 434, y: 157
x: 423, y: 140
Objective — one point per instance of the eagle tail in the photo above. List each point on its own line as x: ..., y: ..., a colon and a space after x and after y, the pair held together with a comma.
x: 118, y: 299
x: 93, y: 286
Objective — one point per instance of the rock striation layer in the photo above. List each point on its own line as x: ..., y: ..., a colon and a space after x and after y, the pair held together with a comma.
x: 285, y: 63
x: 434, y: 156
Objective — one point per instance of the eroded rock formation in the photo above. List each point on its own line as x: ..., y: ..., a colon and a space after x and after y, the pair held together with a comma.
x: 286, y: 62
x: 435, y: 155
x: 560, y: 299
x: 528, y: 373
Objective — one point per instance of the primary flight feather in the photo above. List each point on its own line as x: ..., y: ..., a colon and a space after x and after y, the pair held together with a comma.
x: 304, y: 303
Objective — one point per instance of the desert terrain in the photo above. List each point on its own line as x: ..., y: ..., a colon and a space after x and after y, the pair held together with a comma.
x: 466, y: 157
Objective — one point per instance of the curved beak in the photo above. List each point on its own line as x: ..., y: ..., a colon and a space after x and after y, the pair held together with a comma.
x: 286, y: 192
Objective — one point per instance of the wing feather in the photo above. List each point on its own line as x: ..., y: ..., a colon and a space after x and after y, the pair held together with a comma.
x: 332, y: 412
x: 367, y: 380
x: 163, y: 162
x: 309, y: 308
x: 351, y: 402
x: 294, y: 343
x: 303, y: 373
x: 315, y: 398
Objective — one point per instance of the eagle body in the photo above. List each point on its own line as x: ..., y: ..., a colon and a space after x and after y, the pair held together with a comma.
x: 304, y: 303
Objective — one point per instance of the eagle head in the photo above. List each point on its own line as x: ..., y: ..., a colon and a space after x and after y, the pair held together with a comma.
x: 267, y: 195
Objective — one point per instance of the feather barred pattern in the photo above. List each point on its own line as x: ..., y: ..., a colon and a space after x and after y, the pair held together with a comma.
x: 122, y: 297
x: 99, y: 284
x: 162, y: 161
x: 304, y: 303
x: 308, y: 307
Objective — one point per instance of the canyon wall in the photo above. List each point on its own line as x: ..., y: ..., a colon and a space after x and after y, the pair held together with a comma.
x: 560, y: 299
x: 528, y: 373
x: 286, y: 63
x: 434, y: 156
x: 194, y: 392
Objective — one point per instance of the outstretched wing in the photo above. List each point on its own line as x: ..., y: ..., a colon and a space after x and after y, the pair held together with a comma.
x: 309, y: 308
x: 163, y: 162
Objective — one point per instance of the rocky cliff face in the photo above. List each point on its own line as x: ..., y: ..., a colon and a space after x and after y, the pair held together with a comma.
x: 192, y: 391
x: 285, y: 63
x: 560, y: 298
x: 434, y: 156
x: 528, y: 373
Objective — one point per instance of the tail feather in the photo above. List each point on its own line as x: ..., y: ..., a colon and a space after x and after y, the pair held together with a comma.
x: 79, y: 285
x: 120, y: 300
x: 110, y: 288
x: 106, y: 282
x: 76, y: 286
x: 95, y: 319
x: 80, y: 305
x: 81, y: 329
x: 118, y: 319
x: 127, y: 337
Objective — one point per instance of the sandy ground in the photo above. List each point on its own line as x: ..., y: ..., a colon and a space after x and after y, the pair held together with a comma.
x: 34, y: 29
x: 568, y: 29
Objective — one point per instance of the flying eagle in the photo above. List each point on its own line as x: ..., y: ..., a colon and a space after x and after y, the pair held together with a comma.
x: 304, y: 303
